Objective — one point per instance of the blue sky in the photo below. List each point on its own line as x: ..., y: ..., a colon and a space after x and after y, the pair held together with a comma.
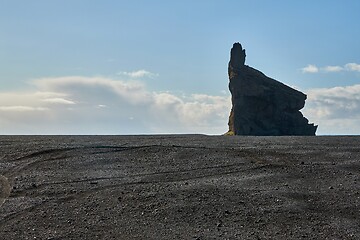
x: 132, y: 67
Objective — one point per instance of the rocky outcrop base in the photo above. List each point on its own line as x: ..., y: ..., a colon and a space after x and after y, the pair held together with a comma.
x: 262, y: 106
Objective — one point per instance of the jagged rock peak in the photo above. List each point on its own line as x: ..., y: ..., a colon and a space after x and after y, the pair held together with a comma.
x: 237, y: 56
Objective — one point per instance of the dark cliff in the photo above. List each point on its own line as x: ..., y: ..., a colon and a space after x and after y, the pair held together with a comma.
x: 262, y: 106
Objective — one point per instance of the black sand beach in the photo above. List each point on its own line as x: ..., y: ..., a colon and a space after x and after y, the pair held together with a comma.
x: 179, y: 187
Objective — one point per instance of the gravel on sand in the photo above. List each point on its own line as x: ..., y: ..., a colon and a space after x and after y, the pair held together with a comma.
x: 179, y: 187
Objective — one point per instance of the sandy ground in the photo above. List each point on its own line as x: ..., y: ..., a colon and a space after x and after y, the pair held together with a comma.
x: 179, y: 187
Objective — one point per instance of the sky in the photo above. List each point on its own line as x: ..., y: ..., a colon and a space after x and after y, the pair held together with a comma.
x: 153, y: 67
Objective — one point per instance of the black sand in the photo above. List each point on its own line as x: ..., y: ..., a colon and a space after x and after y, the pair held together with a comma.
x: 179, y: 187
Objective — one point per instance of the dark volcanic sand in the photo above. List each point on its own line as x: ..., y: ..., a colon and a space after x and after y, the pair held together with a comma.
x: 179, y: 187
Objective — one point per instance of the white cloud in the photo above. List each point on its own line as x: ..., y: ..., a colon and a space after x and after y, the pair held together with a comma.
x: 31, y: 101
x: 101, y: 106
x: 109, y: 106
x: 21, y: 108
x: 348, y: 67
x: 59, y: 101
x: 333, y: 69
x: 353, y: 67
x: 310, y: 69
x: 336, y: 110
x: 139, y: 74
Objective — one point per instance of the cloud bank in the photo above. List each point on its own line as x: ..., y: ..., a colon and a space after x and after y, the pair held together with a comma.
x: 336, y: 110
x: 98, y: 105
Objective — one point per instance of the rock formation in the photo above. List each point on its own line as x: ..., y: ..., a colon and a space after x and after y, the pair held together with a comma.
x: 262, y: 106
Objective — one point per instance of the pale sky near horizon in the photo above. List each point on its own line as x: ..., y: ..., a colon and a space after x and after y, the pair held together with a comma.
x: 142, y: 67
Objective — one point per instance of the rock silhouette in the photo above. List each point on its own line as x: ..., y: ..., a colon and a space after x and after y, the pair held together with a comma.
x: 262, y: 106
